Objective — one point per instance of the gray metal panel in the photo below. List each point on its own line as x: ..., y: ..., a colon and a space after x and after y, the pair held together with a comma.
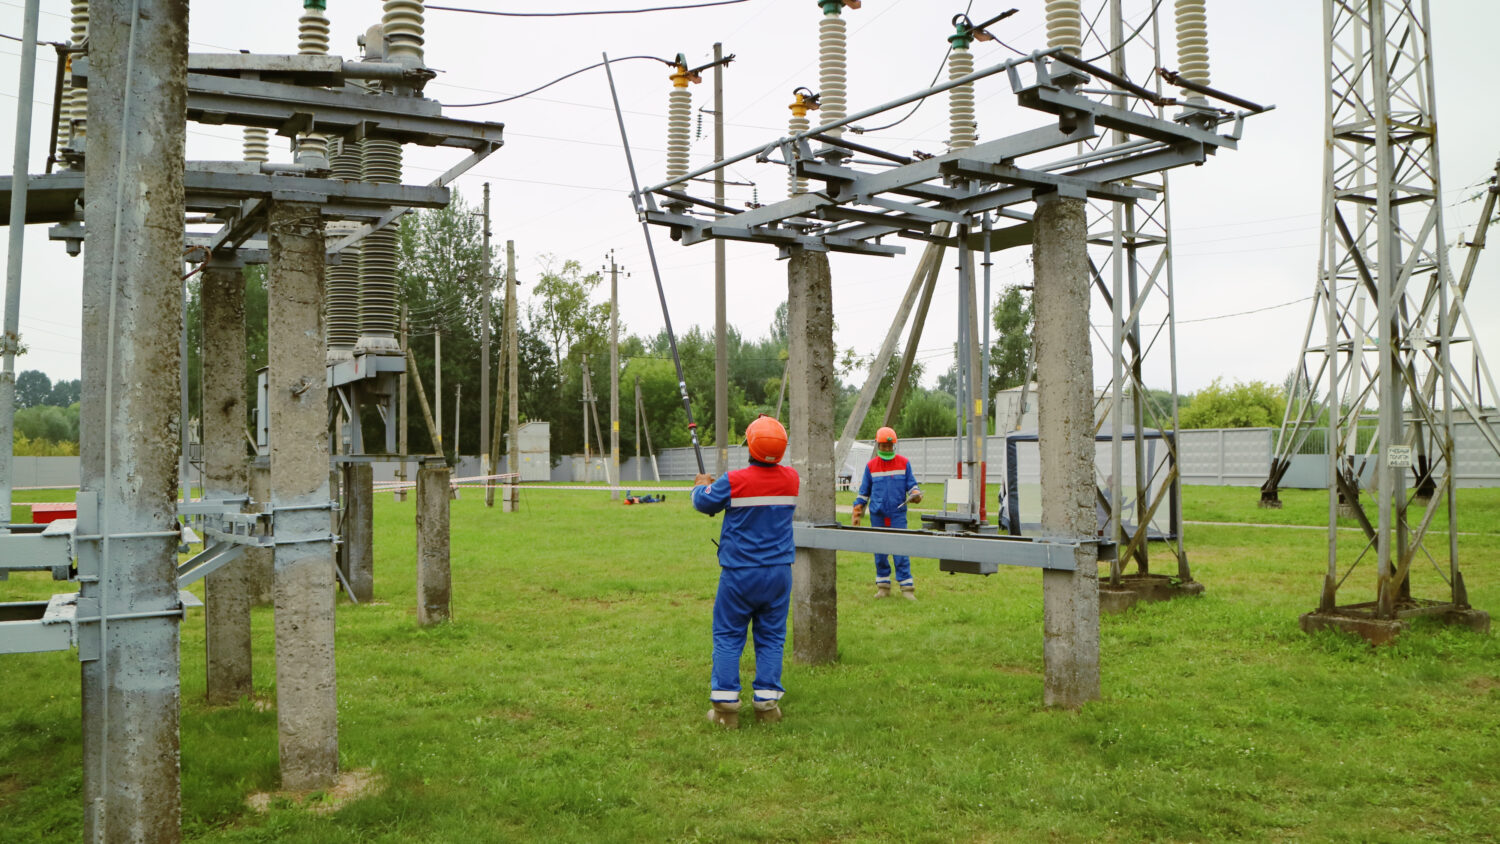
x: 26, y: 628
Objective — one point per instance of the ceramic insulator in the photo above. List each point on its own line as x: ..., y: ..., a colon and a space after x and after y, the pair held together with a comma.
x: 312, y: 40
x: 1192, y: 43
x: 257, y: 144
x: 77, y: 110
x: 833, y: 73
x: 378, y: 291
x: 796, y: 184
x: 1065, y: 25
x: 403, y: 23
x: 679, y: 124
x: 962, y: 129
x: 343, y: 278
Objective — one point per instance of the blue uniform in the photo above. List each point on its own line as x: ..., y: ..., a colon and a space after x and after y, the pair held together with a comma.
x: 884, y: 487
x: 755, y: 574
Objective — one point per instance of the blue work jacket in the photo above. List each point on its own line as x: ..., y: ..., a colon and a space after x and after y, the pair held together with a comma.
x: 758, y: 502
x: 885, y: 485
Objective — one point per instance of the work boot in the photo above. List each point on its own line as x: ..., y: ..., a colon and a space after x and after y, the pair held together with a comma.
x: 767, y: 712
x: 882, y: 590
x: 725, y: 714
x: 909, y: 592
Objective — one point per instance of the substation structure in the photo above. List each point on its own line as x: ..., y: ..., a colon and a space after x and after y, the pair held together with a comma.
x: 132, y: 81
x: 1376, y: 381
x: 1027, y: 188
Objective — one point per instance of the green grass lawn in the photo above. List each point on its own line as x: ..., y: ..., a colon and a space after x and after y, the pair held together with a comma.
x: 565, y: 702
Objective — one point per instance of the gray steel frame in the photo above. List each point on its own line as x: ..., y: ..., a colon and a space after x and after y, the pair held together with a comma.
x: 1383, y: 240
x: 855, y: 211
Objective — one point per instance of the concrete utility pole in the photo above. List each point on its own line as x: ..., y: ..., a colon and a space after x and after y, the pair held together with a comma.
x: 226, y: 469
x: 587, y: 399
x: 721, y: 339
x: 437, y: 375
x: 458, y: 417
x: 512, y: 344
x: 306, y: 680
x: 1070, y: 599
x: 614, y: 376
x: 359, y: 530
x: 486, y: 283
x: 434, y: 578
x: 810, y: 435
x: 639, y: 470
x: 128, y: 586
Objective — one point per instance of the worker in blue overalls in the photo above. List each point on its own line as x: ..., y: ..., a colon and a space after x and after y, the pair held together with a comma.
x: 886, y: 488
x: 755, y: 571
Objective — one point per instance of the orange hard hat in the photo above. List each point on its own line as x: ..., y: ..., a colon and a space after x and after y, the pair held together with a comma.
x: 766, y: 439
x: 885, y: 436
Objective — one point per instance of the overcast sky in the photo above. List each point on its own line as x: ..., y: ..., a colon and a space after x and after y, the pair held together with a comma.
x: 1247, y: 232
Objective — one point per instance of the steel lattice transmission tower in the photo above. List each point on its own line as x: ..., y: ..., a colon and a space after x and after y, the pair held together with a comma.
x: 1130, y: 259
x: 1376, y: 379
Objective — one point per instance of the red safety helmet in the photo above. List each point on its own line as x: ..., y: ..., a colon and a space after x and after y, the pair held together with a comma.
x: 766, y: 439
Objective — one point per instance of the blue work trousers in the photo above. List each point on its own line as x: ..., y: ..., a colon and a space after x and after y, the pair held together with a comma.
x: 882, y: 565
x: 754, y: 594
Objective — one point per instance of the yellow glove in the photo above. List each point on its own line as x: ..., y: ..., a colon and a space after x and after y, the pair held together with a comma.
x: 859, y: 512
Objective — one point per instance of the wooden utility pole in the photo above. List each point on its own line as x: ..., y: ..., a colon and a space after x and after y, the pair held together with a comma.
x: 587, y: 398
x: 721, y: 339
x: 614, y: 375
x: 494, y: 434
x: 638, y: 469
x: 458, y: 397
x: 512, y: 346
x: 485, y: 284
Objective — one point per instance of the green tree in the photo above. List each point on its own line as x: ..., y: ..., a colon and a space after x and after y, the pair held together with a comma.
x: 1012, y: 319
x: 1244, y: 405
x: 65, y: 393
x: 928, y: 413
x: 32, y: 388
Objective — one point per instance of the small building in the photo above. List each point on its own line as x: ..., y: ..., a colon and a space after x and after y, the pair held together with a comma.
x: 534, y: 447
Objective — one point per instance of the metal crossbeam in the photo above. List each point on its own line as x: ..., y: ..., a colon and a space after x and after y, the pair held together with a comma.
x: 988, y: 551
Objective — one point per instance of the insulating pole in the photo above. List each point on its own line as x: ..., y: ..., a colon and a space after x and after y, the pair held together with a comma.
x: 721, y: 339
x: 20, y: 167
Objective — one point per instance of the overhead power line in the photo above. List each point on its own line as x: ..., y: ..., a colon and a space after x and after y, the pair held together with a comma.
x: 588, y: 13
x: 553, y: 82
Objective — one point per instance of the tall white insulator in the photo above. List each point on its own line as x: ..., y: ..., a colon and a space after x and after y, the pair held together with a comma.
x: 963, y: 131
x: 679, y: 125
x: 833, y: 66
x: 312, y: 40
x: 257, y: 144
x: 379, y: 316
x: 403, y: 23
x: 1192, y: 44
x: 342, y: 300
x: 1065, y: 25
x: 78, y: 98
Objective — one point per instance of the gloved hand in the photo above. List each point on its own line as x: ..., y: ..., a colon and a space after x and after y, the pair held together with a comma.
x: 915, y: 496
x: 859, y: 512
x: 703, y: 480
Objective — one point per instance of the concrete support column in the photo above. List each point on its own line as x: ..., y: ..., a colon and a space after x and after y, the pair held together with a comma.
x: 359, y: 530
x: 260, y: 563
x: 305, y: 588
x: 226, y: 474
x: 129, y: 422
x: 1064, y: 367
x: 812, y: 384
x: 434, y: 580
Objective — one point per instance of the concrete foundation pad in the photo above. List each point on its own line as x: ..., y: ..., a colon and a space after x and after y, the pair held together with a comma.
x: 1136, y: 588
x: 1383, y: 631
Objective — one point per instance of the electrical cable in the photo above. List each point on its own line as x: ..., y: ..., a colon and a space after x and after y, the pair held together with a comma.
x: 918, y: 104
x: 585, y: 14
x: 553, y: 82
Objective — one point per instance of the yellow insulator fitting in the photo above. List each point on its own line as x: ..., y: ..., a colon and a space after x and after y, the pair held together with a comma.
x: 804, y: 102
